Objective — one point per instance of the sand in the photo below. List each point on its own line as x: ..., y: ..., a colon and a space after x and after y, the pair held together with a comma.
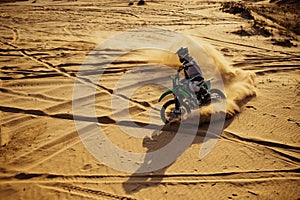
x: 43, y: 45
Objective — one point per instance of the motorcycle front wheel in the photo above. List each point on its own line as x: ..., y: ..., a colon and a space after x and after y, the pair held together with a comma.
x: 169, y: 112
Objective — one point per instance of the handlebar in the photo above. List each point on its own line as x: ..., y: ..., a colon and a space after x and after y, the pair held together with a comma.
x: 180, y: 68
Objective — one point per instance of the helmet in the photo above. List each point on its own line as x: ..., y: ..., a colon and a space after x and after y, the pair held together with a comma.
x: 183, y: 54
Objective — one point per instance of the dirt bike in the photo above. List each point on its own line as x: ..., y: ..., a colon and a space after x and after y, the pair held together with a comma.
x: 185, y: 99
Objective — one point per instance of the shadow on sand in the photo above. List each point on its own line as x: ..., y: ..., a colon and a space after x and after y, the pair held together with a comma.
x: 138, y: 181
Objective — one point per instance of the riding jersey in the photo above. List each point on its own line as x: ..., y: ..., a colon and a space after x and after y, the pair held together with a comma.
x: 192, y: 70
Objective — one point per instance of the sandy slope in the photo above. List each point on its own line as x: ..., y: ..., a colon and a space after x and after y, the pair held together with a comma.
x: 42, y: 157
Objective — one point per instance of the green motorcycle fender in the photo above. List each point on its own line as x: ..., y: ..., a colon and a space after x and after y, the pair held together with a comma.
x: 171, y: 91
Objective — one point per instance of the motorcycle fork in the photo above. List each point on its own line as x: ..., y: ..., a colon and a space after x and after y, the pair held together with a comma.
x: 177, y: 106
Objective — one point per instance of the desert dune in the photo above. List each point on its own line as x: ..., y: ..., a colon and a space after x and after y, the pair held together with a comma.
x: 71, y: 69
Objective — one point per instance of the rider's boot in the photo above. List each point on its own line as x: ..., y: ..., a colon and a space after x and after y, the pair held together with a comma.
x: 204, y: 96
x: 207, y: 98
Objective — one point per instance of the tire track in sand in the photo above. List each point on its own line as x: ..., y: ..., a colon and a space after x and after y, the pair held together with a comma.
x: 22, y: 94
x: 180, y: 178
x: 81, y: 80
x: 276, y: 148
x: 16, y: 33
x: 52, y: 148
x: 83, y: 191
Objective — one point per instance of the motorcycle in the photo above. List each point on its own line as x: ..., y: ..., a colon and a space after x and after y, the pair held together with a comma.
x: 185, y: 99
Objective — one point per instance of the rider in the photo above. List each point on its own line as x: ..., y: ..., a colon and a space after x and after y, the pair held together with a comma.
x: 193, y: 73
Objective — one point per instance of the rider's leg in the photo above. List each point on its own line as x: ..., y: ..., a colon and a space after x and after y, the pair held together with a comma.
x: 204, y: 95
x: 196, y: 82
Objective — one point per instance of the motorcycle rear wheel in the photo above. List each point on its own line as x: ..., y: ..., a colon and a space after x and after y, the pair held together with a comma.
x: 216, y: 95
x: 169, y: 113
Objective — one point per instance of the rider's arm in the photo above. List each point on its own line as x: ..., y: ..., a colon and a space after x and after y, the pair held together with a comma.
x: 187, y: 65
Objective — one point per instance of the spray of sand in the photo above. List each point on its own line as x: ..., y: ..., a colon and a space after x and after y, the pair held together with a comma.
x: 238, y: 84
